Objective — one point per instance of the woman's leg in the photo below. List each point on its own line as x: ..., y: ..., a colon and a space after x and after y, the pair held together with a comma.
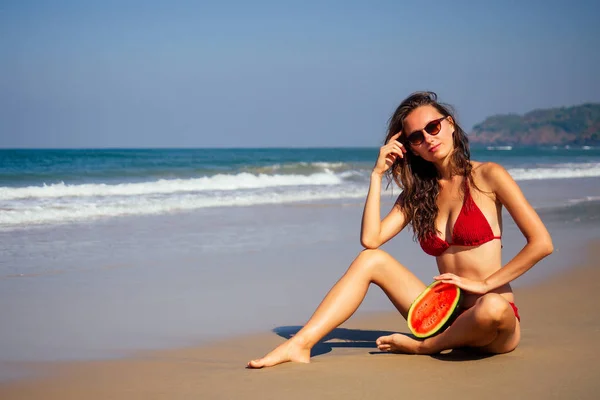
x: 371, y: 266
x: 490, y: 325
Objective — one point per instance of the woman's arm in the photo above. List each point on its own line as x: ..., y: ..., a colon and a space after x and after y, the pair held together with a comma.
x: 374, y: 231
x: 539, y: 242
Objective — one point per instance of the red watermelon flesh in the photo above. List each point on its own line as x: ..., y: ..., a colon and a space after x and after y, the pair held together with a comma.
x: 431, y: 312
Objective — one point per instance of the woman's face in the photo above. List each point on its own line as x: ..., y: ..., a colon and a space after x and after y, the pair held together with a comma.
x: 428, y: 126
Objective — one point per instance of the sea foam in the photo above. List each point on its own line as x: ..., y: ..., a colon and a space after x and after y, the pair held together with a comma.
x: 60, y: 203
x: 216, y: 182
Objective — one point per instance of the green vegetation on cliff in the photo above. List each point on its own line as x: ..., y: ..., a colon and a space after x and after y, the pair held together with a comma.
x: 578, y: 125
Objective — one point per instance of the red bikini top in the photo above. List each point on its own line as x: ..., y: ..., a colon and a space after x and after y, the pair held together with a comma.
x: 470, y: 229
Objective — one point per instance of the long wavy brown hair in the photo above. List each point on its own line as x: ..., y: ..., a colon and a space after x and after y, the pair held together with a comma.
x: 419, y: 179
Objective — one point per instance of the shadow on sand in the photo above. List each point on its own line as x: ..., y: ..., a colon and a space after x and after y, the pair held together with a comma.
x: 339, y: 337
x: 357, y: 338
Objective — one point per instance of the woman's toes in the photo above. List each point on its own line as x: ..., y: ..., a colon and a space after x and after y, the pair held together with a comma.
x: 384, y: 340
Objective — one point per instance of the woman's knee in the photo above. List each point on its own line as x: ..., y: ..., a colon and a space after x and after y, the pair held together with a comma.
x: 370, y: 261
x: 492, y: 309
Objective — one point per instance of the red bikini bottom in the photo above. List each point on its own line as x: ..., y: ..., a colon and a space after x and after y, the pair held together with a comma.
x: 515, y: 310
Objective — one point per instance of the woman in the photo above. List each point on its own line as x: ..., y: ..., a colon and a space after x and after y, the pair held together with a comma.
x: 454, y: 206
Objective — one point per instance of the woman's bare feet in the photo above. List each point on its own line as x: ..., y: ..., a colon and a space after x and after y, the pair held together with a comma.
x: 288, y: 351
x: 398, y: 343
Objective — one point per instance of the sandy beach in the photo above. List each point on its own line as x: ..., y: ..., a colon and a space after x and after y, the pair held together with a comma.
x: 557, y: 358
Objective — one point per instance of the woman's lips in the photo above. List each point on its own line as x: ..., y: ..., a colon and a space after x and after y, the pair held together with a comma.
x: 434, y: 148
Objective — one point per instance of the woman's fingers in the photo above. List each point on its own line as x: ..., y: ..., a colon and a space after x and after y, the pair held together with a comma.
x: 391, y: 152
x: 388, y: 154
x: 391, y: 159
x: 447, y: 278
x: 396, y: 148
x: 400, y: 147
x: 396, y: 136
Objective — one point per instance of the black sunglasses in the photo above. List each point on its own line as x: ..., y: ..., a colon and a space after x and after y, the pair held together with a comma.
x: 432, y: 128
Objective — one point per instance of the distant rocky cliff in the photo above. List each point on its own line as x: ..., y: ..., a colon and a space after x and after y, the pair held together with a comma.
x: 578, y: 125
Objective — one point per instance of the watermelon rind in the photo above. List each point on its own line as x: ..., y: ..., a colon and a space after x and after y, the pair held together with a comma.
x: 442, y: 324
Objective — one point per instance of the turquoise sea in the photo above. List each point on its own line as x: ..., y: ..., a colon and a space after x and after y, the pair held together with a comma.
x: 46, y: 187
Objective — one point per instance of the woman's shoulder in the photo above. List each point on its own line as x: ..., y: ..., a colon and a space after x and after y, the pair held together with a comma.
x: 488, y: 175
x: 487, y: 169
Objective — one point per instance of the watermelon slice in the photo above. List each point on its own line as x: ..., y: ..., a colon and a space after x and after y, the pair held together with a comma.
x: 434, y: 309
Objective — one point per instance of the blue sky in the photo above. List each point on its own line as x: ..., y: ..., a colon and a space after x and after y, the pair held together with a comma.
x: 279, y: 73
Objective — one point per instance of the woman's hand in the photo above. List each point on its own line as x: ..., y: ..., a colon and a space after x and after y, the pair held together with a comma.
x: 388, y: 154
x: 466, y: 284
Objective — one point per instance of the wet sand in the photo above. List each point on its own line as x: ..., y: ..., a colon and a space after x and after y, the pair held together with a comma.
x: 558, y: 358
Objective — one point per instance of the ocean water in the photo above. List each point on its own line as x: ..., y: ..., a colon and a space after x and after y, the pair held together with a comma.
x: 47, y: 187
x: 106, y: 252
